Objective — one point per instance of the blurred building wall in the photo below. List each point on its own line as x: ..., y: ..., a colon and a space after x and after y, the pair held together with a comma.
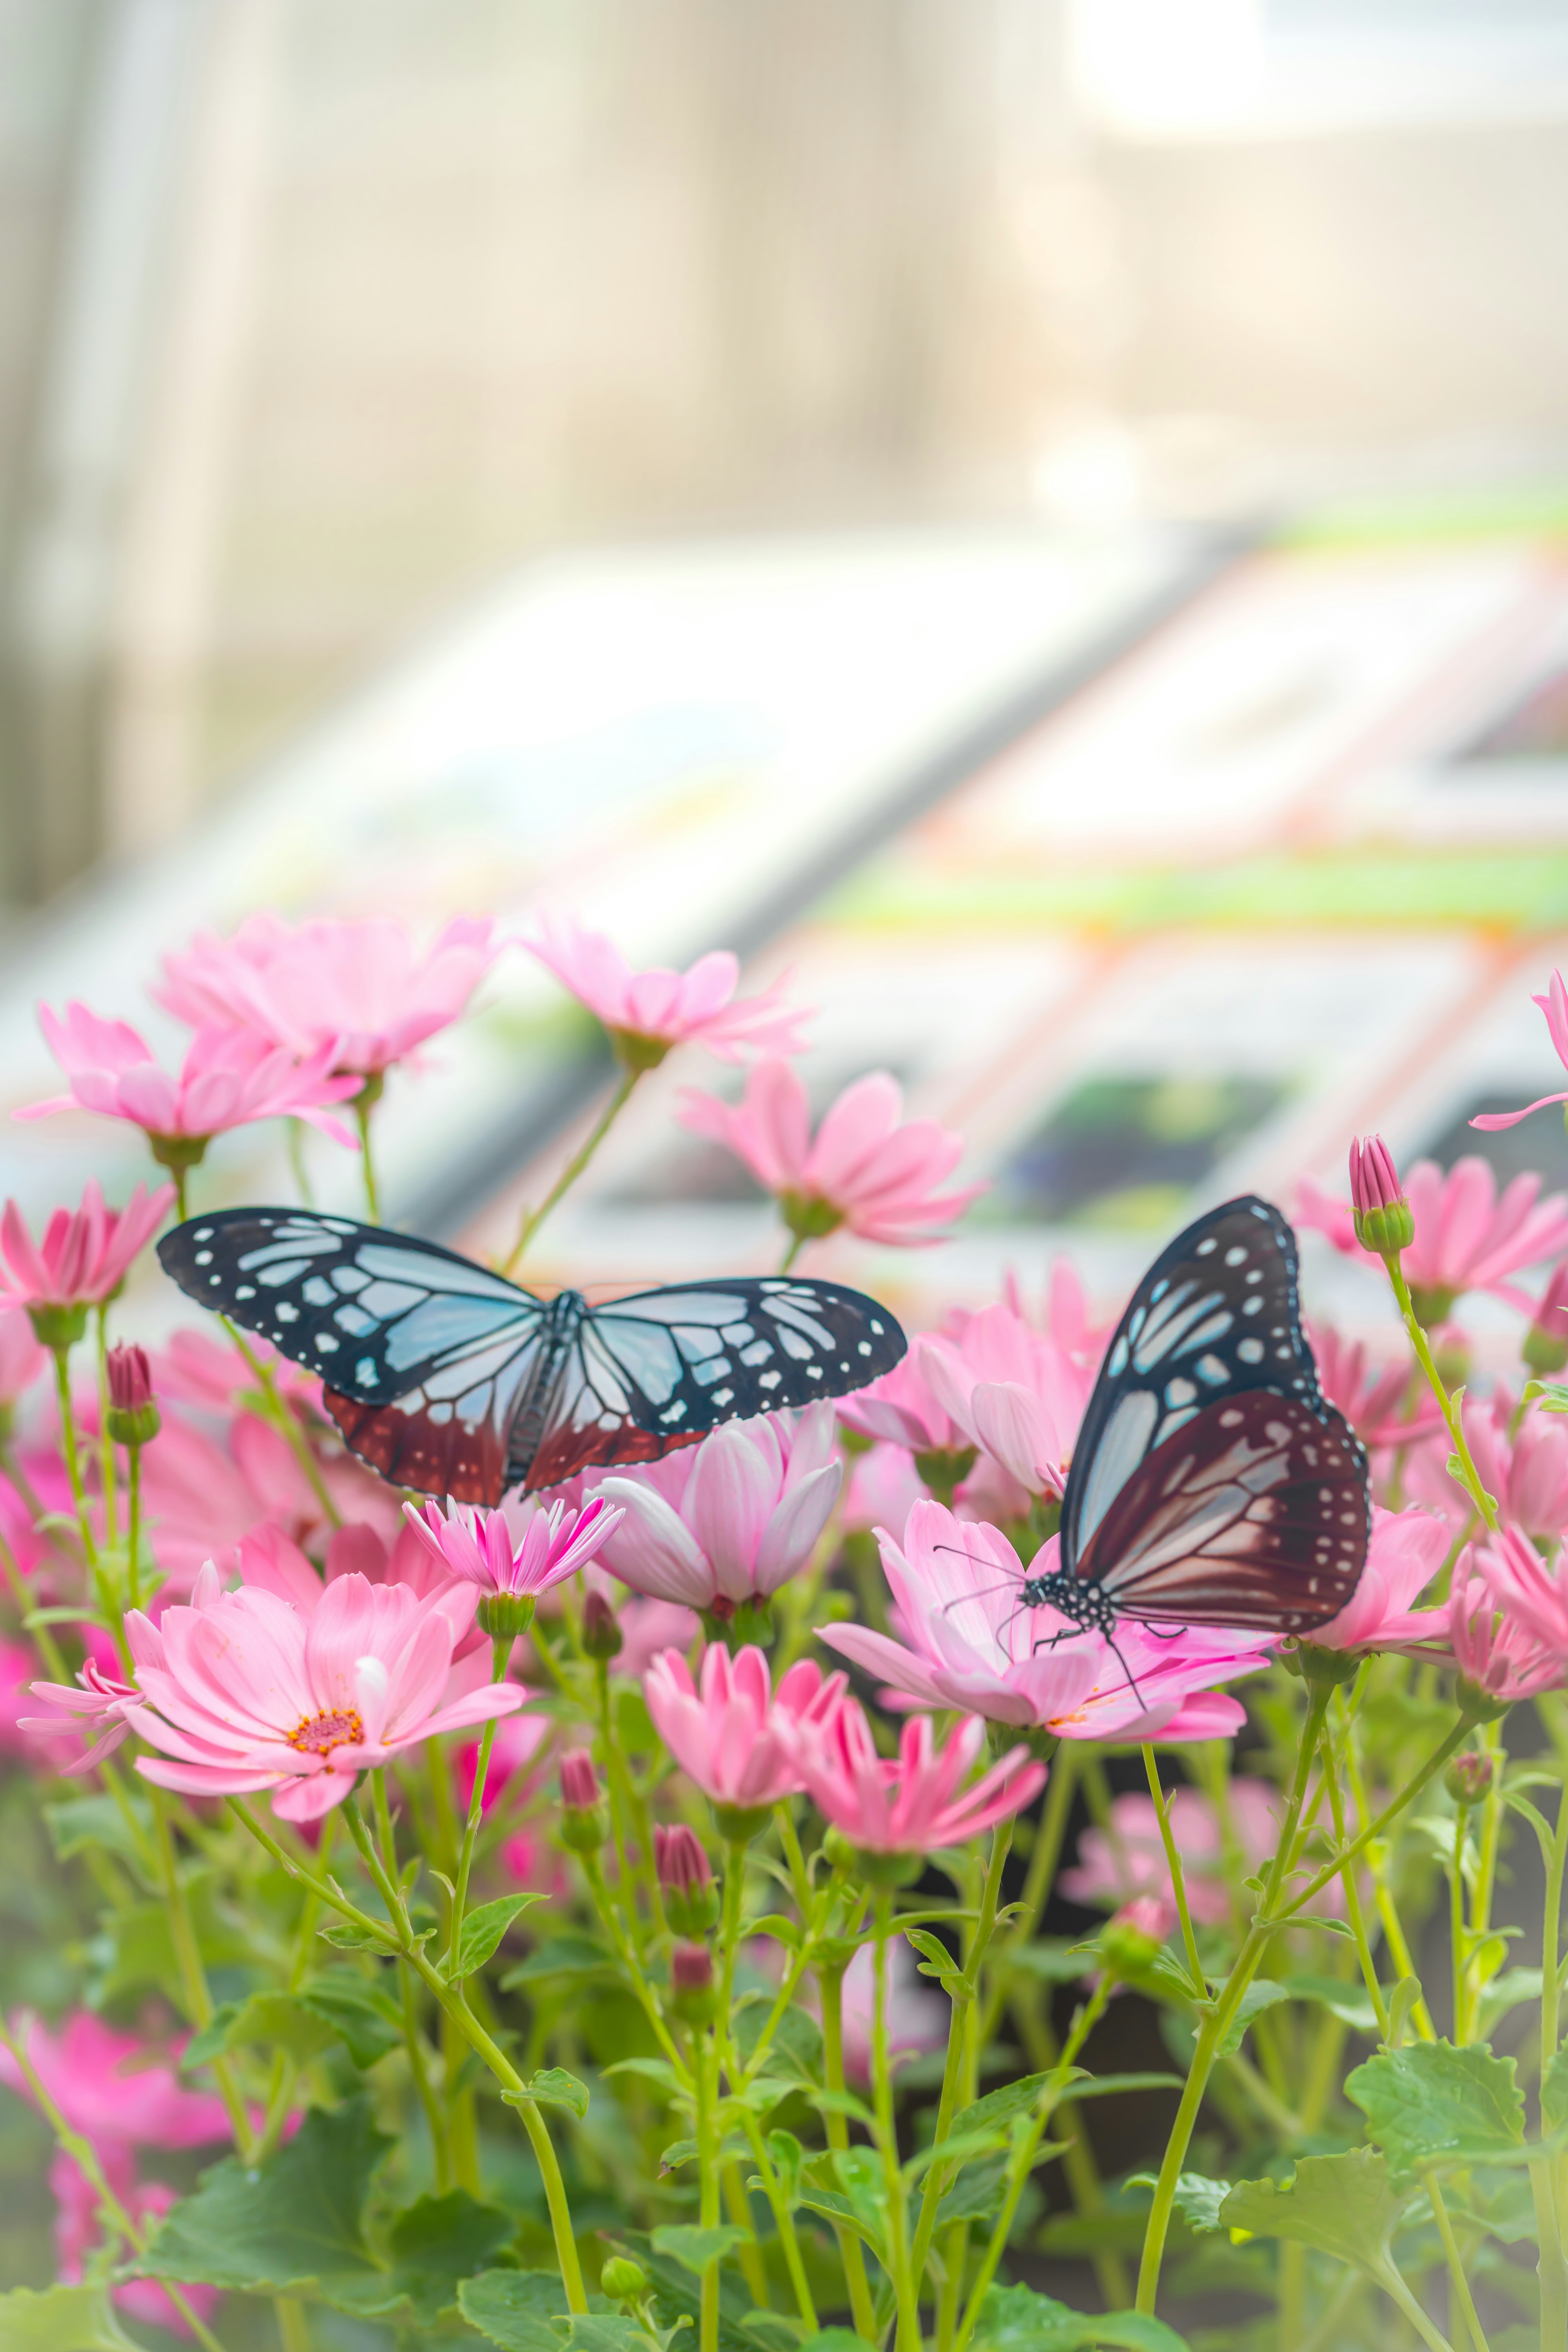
x: 403, y: 290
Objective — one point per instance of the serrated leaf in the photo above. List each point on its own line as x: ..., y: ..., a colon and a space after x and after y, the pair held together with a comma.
x: 1430, y: 2103
x: 1197, y: 2198
x: 293, y: 2222
x: 1345, y: 2206
x: 481, y: 1934
x: 697, y: 2250
x: 1017, y: 2319
x: 607, y: 2331
x: 1349, y: 2002
x: 553, y: 2087
x: 563, y: 1956
x: 61, y: 2319
x: 515, y: 2308
x: 1261, y: 1993
x: 438, y: 2242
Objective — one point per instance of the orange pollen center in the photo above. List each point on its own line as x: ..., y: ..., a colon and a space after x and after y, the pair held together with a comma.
x: 318, y: 1734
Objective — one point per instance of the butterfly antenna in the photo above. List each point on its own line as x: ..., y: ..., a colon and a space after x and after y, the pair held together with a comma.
x: 1132, y: 1677
x: 1010, y: 1584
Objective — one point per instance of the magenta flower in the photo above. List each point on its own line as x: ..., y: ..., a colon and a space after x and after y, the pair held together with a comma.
x: 918, y: 1804
x: 884, y: 1487
x: 1406, y: 1551
x: 1378, y: 1205
x: 866, y: 1169
x: 1493, y: 1643
x: 1467, y: 1238
x: 95, y: 1703
x: 1013, y: 1392
x: 1526, y: 1469
x: 730, y: 1731
x: 1525, y: 1588
x: 358, y: 992
x: 85, y: 1254
x: 1376, y: 1404
x: 1554, y: 1005
x: 228, y: 1078
x: 1126, y: 1866
x: 484, y: 1549
x: 730, y: 1519
x: 21, y: 1357
x: 969, y: 1644
x: 244, y: 1692
x: 647, y: 1012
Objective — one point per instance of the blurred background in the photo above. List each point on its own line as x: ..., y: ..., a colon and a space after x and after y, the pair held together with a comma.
x: 1044, y: 515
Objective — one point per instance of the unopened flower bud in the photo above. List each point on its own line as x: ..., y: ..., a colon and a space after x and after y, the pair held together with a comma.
x: 685, y: 1880
x: 505, y: 1616
x: 583, y: 1826
x: 133, y: 1418
x: 692, y: 1983
x: 1545, y: 1344
x: 1384, y: 1222
x: 1469, y: 1776
x: 623, y: 2281
x: 1127, y: 1949
x: 602, y: 1636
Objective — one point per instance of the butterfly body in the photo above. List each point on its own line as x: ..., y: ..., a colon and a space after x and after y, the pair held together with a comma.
x: 448, y: 1377
x: 1212, y: 1483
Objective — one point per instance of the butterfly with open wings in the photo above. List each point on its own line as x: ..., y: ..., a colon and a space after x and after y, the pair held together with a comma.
x: 451, y: 1379
x: 1211, y: 1484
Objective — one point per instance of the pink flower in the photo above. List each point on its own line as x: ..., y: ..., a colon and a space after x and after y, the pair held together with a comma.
x: 1545, y: 1344
x: 884, y: 1485
x: 916, y: 2014
x: 919, y: 1803
x: 213, y: 1375
x: 1554, y: 1004
x: 1493, y: 1645
x: 1466, y: 1237
x: 1407, y: 1549
x: 1017, y: 1395
x: 1525, y: 1588
x: 228, y: 1078
x: 85, y: 1254
x: 21, y: 1358
x: 1065, y: 1317
x: 1376, y: 1404
x: 901, y: 1408
x: 730, y: 1519
x: 970, y: 1644
x: 482, y: 1549
x: 731, y: 1731
x: 1374, y: 1179
x: 77, y: 2230
x: 95, y: 1702
x: 646, y: 1626
x: 358, y: 992
x: 579, y: 1781
x: 646, y: 1013
x: 17, y: 1667
x: 863, y: 1168
x: 516, y: 1778
x: 1127, y: 1864
x: 1526, y: 1469
x: 245, y: 1693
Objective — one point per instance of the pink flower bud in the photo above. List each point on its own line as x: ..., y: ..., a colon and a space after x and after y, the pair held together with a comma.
x: 130, y: 1378
x: 602, y: 1635
x: 579, y: 1781
x: 680, y: 1858
x: 1382, y: 1218
x: 691, y: 1969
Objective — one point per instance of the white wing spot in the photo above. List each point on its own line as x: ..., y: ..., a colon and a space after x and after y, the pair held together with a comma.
x: 1249, y: 1350
x: 1236, y: 1257
x: 1204, y: 1249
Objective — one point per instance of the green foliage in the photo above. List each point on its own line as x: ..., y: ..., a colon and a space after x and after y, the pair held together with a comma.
x: 61, y: 2319
x: 1345, y: 2206
x: 482, y: 1931
x: 697, y: 2250
x: 1432, y: 2104
x: 1017, y: 2319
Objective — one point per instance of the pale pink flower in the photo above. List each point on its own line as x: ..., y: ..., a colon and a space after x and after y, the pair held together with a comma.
x: 17, y: 1667
x: 229, y: 1077
x: 1524, y: 1469
x: 486, y: 1551
x: 1495, y: 1647
x: 85, y: 1254
x: 916, y: 2014
x: 1064, y: 1317
x: 21, y: 1357
x: 917, y: 1804
x: 969, y: 1643
x: 245, y: 1693
x: 1015, y: 1394
x: 1525, y: 1588
x: 195, y: 1370
x: 731, y: 1731
x: 1376, y: 1404
x: 360, y: 992
x: 867, y: 1168
x: 1126, y: 1863
x: 647, y: 1012
x: 79, y: 2231
x: 901, y: 1408
x: 1554, y: 1005
x: 884, y: 1486
x: 1467, y: 1238
x: 730, y: 1519
x: 1406, y: 1551
x: 95, y: 1703
x: 201, y: 1493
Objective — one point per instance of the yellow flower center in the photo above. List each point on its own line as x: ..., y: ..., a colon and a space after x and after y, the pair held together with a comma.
x: 318, y: 1734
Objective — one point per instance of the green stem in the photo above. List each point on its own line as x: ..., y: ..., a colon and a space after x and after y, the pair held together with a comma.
x: 364, y: 1103
x: 830, y: 1982
x: 784, y: 2218
x: 1453, y: 1416
x: 730, y: 1925
x: 904, y: 2287
x: 704, y: 2066
x: 573, y: 1169
x: 1178, y: 1876
x: 796, y: 1244
x: 1352, y: 1894
x: 962, y: 2000
x: 1461, y: 1948
x: 69, y: 1447
x: 284, y: 1422
x: 1393, y: 1930
x: 133, y: 1526
x: 192, y: 1975
x: 1553, y: 2268
x: 627, y: 1954
x: 105, y: 1442
x: 1455, y: 2266
x: 501, y: 1650
x: 1049, y: 1832
x: 414, y: 2043
x: 1375, y: 1830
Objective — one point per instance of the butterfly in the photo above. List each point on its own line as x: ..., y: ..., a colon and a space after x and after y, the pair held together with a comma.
x: 451, y: 1379
x: 1212, y: 1483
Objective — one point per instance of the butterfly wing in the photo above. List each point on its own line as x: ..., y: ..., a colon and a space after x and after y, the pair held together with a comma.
x: 425, y: 1356
x: 1255, y: 1513
x: 649, y: 1373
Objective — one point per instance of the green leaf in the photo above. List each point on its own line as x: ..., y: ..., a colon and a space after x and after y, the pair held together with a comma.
x: 1433, y: 2103
x: 515, y: 2308
x: 1198, y: 2199
x: 1017, y: 2319
x: 794, y: 2046
x: 834, y: 2339
x: 1551, y: 1395
x: 937, y: 1961
x: 438, y: 2242
x: 1050, y: 1960
x: 1349, y: 2002
x: 1260, y: 1994
x: 61, y: 2319
x: 998, y: 2106
x: 977, y: 2191
x: 482, y: 1932
x: 650, y: 2070
x: 607, y: 2331
x: 1500, y: 2202
x: 294, y: 2222
x: 1402, y: 2004
x: 80, y: 1823
x: 270, y: 2019
x: 1345, y: 2206
x: 142, y: 1945
x: 363, y: 2018
x: 1554, y: 2091
x: 697, y: 2250
x: 350, y: 1937
x: 563, y: 1956
x: 1106, y: 2086
x: 553, y: 2087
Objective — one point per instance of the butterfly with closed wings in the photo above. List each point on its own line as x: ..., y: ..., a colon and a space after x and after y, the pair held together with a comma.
x: 1211, y: 1484
x: 450, y: 1379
